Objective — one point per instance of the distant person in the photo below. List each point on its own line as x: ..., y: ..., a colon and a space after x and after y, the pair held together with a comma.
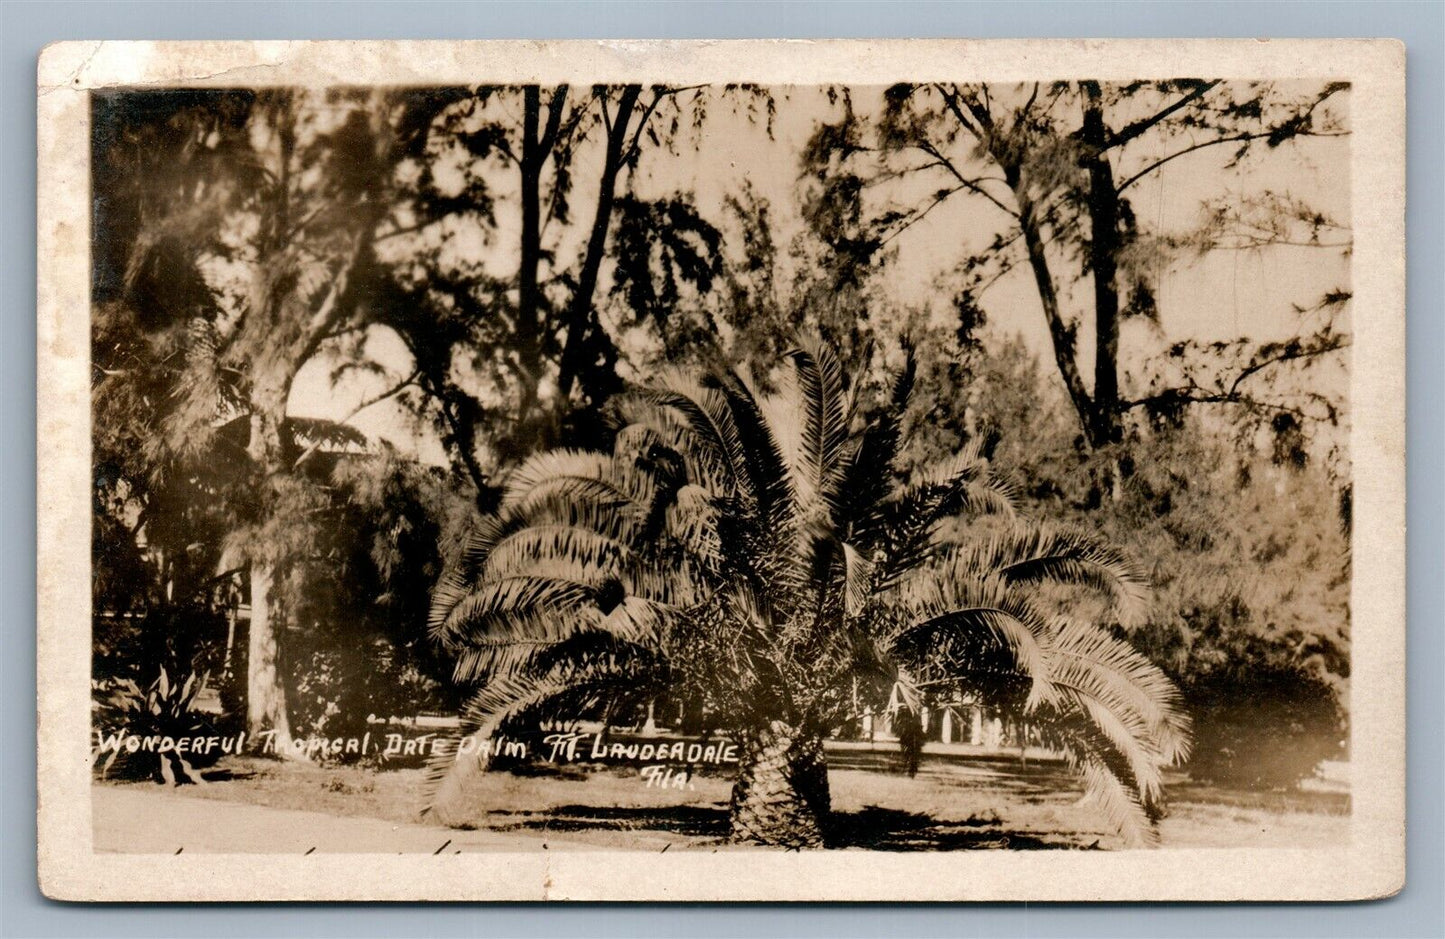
x: 910, y: 738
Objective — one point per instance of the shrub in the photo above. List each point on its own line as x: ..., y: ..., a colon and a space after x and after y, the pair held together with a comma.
x: 1263, y: 724
x: 165, y: 709
x: 339, y: 689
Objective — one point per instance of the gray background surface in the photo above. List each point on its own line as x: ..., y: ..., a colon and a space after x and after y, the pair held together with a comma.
x: 26, y: 26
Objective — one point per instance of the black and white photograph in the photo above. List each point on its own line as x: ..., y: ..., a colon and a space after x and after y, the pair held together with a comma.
x: 616, y: 473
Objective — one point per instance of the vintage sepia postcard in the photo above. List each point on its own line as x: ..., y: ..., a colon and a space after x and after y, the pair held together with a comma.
x: 904, y: 470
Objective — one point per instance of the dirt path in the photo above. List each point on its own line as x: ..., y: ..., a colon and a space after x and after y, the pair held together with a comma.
x: 154, y: 821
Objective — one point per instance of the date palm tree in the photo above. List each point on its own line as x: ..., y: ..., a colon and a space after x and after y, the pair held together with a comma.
x: 765, y: 553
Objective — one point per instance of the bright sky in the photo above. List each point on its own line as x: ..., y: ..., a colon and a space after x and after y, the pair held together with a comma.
x: 1220, y: 296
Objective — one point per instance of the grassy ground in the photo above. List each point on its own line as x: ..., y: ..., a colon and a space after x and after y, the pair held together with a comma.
x: 953, y: 803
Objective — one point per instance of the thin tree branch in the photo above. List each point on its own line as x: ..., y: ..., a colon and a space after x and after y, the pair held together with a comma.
x: 635, y: 143
x: 1289, y: 355
x: 1255, y: 244
x: 964, y: 182
x: 1236, y: 138
x: 1029, y: 104
x: 1189, y: 395
x: 406, y: 230
x: 554, y: 120
x: 951, y: 100
x: 1194, y: 393
x: 1133, y: 130
x: 601, y: 93
x: 919, y: 215
x: 377, y: 399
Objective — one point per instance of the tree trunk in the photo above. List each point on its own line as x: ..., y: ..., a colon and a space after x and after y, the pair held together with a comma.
x: 1061, y: 334
x: 582, y: 327
x: 265, y: 689
x: 781, y: 794
x: 530, y: 333
x: 459, y: 436
x: 265, y: 681
x: 528, y: 329
x: 1104, y: 248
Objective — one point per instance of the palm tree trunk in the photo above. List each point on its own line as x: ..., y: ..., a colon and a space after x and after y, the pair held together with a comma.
x: 781, y: 795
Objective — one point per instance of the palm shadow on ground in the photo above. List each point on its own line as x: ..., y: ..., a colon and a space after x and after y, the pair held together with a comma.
x: 872, y: 827
x: 883, y: 829
x: 227, y: 775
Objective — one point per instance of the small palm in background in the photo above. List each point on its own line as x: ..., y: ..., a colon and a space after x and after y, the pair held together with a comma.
x: 763, y: 553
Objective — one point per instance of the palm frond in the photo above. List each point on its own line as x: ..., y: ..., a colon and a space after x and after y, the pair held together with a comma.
x: 692, y: 522
x: 549, y: 464
x: 858, y: 579
x: 1050, y: 554
x: 912, y: 517
x: 457, y: 579
x: 544, y: 547
x: 650, y: 428
x: 637, y: 620
x: 1094, y: 663
x: 826, y: 408
x: 560, y: 489
x: 615, y: 517
x: 870, y: 475
x: 763, y: 464
x: 706, y: 413
x: 509, y: 606
x: 481, y: 717
x: 494, y: 659
x: 1136, y: 750
x: 964, y: 483
x: 1119, y: 804
x: 1102, y: 702
x: 676, y: 586
x: 964, y: 623
x: 580, y: 684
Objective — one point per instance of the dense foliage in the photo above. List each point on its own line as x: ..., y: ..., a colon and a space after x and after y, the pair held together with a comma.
x: 1248, y: 553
